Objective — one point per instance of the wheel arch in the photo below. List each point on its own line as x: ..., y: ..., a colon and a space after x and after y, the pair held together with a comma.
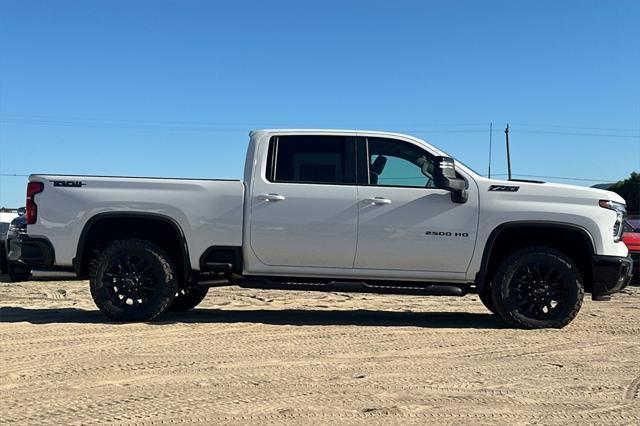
x: 81, y: 260
x: 537, y: 233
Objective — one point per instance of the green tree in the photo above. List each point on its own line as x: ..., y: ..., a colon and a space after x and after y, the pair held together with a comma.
x: 629, y: 189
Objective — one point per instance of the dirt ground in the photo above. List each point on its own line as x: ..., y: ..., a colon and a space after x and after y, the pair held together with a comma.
x: 266, y: 357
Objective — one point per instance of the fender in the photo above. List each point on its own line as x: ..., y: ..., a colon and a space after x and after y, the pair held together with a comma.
x: 486, y: 255
x: 184, y: 249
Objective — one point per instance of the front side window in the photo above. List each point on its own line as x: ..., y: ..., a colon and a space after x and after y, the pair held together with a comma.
x: 398, y: 163
x: 311, y: 159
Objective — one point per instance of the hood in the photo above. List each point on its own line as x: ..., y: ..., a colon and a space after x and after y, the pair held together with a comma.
x: 555, y: 189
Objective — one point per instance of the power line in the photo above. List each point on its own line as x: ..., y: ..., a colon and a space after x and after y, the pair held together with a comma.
x: 185, y: 127
x: 211, y: 126
x: 580, y: 134
x: 556, y: 177
x: 576, y: 127
x: 243, y: 123
x: 209, y: 123
x: 121, y: 120
x: 121, y: 126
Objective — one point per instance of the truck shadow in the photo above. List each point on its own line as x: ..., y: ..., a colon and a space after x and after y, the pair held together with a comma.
x: 296, y: 317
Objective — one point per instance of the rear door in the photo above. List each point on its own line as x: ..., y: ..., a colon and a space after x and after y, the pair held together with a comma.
x: 405, y: 222
x: 304, y: 207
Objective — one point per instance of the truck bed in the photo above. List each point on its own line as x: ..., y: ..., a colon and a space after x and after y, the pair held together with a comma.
x: 208, y: 212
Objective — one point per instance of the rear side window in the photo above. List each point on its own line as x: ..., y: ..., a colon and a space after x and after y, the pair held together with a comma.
x: 311, y: 159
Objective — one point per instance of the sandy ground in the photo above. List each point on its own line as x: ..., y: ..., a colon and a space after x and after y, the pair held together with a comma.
x: 266, y: 357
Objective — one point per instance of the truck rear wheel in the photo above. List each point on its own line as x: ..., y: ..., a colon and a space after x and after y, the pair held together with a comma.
x: 133, y: 280
x: 538, y: 287
x: 188, y: 298
x: 18, y: 272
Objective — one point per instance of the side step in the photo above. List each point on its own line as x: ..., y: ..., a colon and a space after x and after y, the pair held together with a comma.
x: 214, y: 279
x: 417, y: 289
x: 217, y: 266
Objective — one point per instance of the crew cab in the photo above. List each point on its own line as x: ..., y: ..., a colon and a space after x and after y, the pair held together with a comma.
x: 332, y: 210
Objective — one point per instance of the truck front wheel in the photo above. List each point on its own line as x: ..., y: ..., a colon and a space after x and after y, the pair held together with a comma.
x: 537, y: 287
x: 133, y: 280
x: 487, y: 299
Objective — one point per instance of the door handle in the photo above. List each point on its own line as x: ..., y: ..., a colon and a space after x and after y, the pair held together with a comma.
x: 271, y: 197
x: 379, y: 200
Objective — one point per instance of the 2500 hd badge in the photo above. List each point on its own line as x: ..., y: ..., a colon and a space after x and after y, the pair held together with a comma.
x: 448, y: 234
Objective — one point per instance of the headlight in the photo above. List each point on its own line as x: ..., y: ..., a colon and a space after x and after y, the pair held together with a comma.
x: 621, y: 212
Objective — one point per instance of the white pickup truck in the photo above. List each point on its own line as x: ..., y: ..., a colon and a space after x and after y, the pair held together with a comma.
x: 331, y: 210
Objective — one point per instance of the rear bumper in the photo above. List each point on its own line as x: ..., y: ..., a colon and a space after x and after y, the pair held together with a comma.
x: 31, y: 251
x: 3, y: 258
x: 610, y: 274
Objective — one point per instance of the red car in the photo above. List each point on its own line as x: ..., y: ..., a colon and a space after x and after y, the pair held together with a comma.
x: 631, y: 237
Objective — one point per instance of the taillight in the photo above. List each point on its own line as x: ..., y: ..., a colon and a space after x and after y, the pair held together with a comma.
x: 32, y: 209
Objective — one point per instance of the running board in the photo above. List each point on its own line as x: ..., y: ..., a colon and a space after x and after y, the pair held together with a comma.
x: 439, y: 289
x: 217, y: 266
x: 213, y: 279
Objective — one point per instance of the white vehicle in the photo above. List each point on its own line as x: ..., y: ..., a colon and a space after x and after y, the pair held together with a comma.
x: 6, y: 216
x: 332, y: 210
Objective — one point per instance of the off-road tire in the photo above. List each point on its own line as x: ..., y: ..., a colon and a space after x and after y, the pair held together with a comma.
x: 133, y: 280
x: 525, y: 277
x: 188, y: 298
x: 18, y: 273
x: 486, y: 297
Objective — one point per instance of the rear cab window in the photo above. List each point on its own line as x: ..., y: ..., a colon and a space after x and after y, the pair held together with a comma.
x: 311, y: 159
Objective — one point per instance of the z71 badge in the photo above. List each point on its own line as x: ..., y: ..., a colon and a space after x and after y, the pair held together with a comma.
x: 504, y: 188
x: 69, y: 183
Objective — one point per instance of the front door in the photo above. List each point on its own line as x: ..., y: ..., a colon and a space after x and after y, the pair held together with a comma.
x: 406, y: 223
x: 304, y: 209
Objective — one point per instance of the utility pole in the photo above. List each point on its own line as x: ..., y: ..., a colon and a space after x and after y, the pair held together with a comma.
x: 506, y: 133
x: 490, y: 135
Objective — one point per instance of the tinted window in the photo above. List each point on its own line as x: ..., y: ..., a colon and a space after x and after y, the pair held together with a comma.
x: 397, y: 163
x: 311, y: 159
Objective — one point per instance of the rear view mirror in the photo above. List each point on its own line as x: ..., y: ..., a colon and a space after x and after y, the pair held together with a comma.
x: 445, y: 177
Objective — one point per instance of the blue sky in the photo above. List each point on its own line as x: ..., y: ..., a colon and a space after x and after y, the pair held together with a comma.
x: 171, y: 88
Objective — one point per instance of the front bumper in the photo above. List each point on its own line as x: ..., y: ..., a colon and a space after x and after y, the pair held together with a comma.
x: 30, y: 251
x: 610, y: 274
x: 635, y: 256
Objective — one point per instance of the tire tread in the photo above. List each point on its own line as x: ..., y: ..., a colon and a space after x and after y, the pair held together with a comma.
x: 171, y: 284
x: 507, y: 263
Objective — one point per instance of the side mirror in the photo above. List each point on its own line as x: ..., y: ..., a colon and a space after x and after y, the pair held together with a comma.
x: 22, y: 211
x: 444, y: 177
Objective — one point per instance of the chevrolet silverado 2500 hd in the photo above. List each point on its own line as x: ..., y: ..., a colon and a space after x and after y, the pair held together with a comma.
x: 331, y: 210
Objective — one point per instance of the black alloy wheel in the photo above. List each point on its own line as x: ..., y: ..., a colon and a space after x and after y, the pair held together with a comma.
x: 537, y: 287
x: 130, y: 279
x: 133, y: 280
x: 539, y: 290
